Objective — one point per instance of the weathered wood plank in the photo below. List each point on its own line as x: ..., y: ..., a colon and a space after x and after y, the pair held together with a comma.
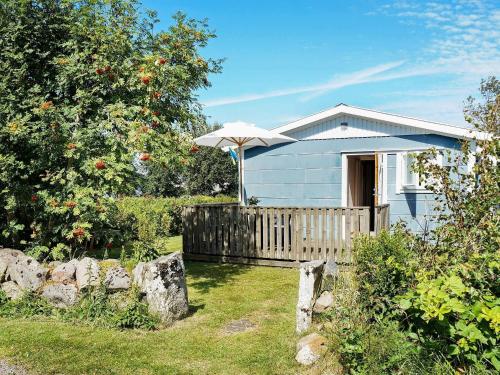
x: 233, y: 232
x: 299, y: 252
x: 324, y: 226
x: 286, y: 234
x: 279, y: 239
x: 265, y: 233
x: 307, y: 239
x: 331, y: 234
x: 225, y: 229
x: 317, y: 224
x: 348, y: 234
x: 258, y: 232
x: 272, y: 231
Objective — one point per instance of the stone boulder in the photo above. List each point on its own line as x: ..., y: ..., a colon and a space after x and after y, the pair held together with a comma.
x: 163, y: 283
x: 330, y: 275
x: 310, y: 348
x: 65, y: 272
x: 117, y: 278
x: 7, y: 256
x: 309, y: 284
x: 60, y: 295
x: 87, y: 273
x: 11, y: 290
x: 26, y: 272
x: 324, y: 302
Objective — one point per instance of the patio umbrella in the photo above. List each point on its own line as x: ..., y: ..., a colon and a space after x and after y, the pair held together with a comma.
x: 241, y: 134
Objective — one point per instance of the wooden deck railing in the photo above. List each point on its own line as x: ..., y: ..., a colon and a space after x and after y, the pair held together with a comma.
x: 279, y: 235
x: 381, y: 217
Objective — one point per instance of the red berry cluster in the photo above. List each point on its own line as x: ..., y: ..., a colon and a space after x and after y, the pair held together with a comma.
x: 70, y: 204
x: 46, y: 105
x: 145, y: 156
x: 161, y: 61
x: 78, y: 232
x: 100, y: 164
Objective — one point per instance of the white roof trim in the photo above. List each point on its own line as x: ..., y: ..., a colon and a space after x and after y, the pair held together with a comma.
x: 343, y: 109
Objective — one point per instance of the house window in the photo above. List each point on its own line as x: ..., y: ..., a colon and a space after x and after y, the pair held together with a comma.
x: 407, y: 179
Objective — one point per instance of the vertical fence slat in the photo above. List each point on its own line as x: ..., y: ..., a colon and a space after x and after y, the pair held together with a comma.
x: 300, y: 234
x: 348, y: 233
x: 286, y: 234
x: 272, y: 232
x: 258, y: 232
x: 324, y: 225
x: 265, y: 233
x: 307, y: 240
x: 316, y: 234
x: 331, y: 234
x: 279, y: 239
x: 225, y: 230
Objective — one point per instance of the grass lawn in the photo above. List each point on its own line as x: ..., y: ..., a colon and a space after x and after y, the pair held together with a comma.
x: 218, y: 294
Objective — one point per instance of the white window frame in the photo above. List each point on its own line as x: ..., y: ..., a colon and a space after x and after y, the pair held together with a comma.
x: 401, y: 173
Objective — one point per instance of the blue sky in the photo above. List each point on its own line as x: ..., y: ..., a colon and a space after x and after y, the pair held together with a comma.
x: 289, y: 59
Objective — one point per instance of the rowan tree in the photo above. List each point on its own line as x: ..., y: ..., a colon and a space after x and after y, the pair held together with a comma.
x: 89, y: 91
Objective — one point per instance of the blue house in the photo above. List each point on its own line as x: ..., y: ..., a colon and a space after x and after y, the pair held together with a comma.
x: 348, y: 157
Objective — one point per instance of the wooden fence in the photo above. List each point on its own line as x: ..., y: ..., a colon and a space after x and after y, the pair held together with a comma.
x: 280, y: 236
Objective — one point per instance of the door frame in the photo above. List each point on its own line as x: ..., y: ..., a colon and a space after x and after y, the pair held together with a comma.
x: 383, y: 193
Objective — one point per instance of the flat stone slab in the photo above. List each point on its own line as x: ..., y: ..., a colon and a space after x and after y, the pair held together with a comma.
x: 238, y: 326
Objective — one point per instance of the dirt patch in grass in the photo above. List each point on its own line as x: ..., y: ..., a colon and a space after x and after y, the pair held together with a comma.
x: 238, y: 326
x: 7, y: 369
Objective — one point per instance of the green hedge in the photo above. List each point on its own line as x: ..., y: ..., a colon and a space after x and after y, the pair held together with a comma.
x: 148, y: 218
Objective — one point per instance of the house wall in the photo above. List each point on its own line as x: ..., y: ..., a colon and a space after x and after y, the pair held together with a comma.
x: 308, y: 173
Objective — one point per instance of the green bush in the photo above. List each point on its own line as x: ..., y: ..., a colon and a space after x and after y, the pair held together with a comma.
x: 458, y: 311
x: 385, y: 267
x: 148, y: 221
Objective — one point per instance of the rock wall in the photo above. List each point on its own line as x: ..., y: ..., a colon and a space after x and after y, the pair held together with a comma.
x: 162, y: 281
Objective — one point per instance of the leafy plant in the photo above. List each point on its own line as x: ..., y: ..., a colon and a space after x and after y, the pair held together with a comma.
x: 28, y: 305
x: 220, y: 173
x: 114, y: 97
x: 385, y: 267
x: 135, y: 314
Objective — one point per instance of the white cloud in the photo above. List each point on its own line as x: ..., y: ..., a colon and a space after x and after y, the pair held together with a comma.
x: 465, y: 34
x: 361, y: 76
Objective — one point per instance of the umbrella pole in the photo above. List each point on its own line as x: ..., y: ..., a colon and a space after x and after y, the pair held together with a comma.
x: 240, y: 179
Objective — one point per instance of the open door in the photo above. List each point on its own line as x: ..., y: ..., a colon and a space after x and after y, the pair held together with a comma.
x: 361, y: 176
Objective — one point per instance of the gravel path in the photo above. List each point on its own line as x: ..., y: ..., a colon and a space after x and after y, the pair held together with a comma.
x: 8, y: 369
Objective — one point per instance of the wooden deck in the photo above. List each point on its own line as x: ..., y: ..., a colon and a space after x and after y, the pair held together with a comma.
x: 279, y: 236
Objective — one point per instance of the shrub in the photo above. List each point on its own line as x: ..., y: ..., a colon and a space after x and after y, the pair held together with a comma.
x: 149, y: 221
x: 385, y: 267
x: 458, y: 311
x: 364, y: 345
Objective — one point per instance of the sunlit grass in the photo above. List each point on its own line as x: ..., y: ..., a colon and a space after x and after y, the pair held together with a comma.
x: 218, y: 294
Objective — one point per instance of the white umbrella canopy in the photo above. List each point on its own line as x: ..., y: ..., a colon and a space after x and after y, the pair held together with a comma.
x: 241, y: 134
